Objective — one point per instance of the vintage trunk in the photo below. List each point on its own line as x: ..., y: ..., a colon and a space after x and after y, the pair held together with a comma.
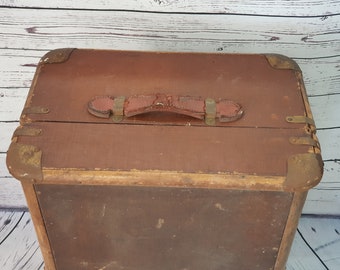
x: 173, y: 161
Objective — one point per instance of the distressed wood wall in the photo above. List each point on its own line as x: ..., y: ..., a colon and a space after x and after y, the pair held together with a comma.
x: 307, y: 31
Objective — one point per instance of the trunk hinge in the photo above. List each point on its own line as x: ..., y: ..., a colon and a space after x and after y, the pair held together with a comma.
x: 305, y: 141
x: 299, y: 119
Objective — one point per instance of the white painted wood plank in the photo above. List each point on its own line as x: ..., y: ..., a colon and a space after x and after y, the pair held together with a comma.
x: 331, y: 172
x: 324, y: 199
x: 11, y: 194
x: 323, y: 236
x: 322, y: 202
x: 6, y: 133
x: 302, y: 258
x: 17, y: 68
x: 321, y: 75
x: 8, y: 220
x: 278, y: 7
x: 326, y: 111
x: 303, y: 37
x: 20, y: 248
x: 3, y: 168
x: 12, y: 101
x: 330, y: 143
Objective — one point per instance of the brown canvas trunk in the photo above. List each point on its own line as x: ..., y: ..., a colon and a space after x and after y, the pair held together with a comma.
x: 129, y: 160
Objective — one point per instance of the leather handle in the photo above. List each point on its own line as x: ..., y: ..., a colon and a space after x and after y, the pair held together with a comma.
x: 197, y: 107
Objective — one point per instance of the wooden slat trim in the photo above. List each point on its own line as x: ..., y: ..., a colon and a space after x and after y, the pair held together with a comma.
x: 39, y: 225
x: 161, y: 179
x: 290, y: 229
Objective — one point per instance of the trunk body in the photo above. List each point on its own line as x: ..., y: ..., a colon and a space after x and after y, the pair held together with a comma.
x: 148, y: 161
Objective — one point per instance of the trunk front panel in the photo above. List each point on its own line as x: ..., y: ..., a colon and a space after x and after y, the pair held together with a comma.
x: 144, y: 228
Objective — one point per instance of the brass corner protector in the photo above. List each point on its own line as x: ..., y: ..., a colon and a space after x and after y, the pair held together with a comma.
x: 24, y: 162
x: 279, y: 61
x: 27, y: 131
x: 304, y: 171
x: 57, y: 56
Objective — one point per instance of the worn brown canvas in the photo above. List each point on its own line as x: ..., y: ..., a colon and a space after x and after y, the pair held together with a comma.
x: 173, y: 161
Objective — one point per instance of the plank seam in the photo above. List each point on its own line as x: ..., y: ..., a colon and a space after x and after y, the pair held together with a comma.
x: 320, y: 57
x: 41, y: 266
x: 10, y: 121
x: 320, y: 216
x: 312, y: 250
x: 327, y: 128
x: 13, y: 209
x: 332, y: 160
x: 324, y: 95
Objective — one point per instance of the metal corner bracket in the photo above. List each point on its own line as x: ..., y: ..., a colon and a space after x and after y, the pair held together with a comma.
x: 24, y: 162
x: 57, y: 56
x: 304, y: 171
x: 279, y: 61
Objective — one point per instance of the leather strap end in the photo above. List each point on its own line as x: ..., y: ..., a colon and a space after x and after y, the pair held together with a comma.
x: 101, y: 106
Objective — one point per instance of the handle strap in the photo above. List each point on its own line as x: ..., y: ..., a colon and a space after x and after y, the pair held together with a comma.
x: 196, y: 107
